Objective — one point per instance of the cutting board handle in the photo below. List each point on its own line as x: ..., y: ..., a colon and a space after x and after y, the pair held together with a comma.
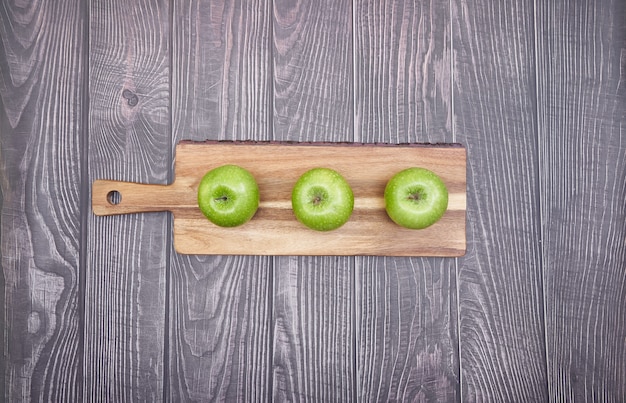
x: 115, y: 197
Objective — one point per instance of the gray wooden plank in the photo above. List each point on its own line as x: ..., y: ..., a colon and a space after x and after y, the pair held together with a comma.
x: 407, y: 347
x: 313, y: 333
x: 129, y: 139
x: 581, y: 81
x: 313, y: 330
x: 219, y: 305
x: 41, y: 122
x: 501, y: 297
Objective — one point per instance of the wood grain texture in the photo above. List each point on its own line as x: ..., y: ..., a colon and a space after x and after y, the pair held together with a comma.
x: 406, y: 313
x: 406, y: 336
x: 129, y: 139
x: 41, y: 110
x: 219, y: 319
x: 535, y: 90
x: 501, y: 297
x: 313, y: 332
x: 582, y: 142
x: 313, y: 328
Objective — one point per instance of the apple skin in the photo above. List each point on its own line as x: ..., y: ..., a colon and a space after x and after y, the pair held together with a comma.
x: 416, y: 198
x: 228, y: 196
x: 322, y: 199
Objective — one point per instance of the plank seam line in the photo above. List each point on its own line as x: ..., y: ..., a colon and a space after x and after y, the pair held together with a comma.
x: 456, y: 260
x: 539, y: 169
x: 85, y: 205
x: 271, y: 134
x: 353, y: 290
x: 169, y: 243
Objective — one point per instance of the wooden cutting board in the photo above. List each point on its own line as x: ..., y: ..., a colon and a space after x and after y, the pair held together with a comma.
x: 274, y: 229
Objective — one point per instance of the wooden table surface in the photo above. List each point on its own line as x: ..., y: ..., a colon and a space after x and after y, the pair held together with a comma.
x: 103, y: 309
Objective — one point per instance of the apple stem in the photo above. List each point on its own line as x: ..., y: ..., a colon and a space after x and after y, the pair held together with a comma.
x: 221, y: 198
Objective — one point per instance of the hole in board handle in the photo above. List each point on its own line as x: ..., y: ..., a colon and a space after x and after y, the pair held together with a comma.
x: 114, y: 197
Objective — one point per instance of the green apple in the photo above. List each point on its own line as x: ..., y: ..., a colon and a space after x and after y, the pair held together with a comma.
x: 228, y: 195
x: 416, y: 198
x: 322, y: 199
